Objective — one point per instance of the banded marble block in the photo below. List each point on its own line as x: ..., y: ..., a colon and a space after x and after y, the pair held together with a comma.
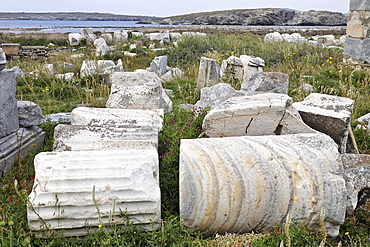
x: 76, y: 189
x: 252, y: 183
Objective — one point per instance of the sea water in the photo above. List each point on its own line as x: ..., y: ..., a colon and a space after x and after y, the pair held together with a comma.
x: 63, y: 26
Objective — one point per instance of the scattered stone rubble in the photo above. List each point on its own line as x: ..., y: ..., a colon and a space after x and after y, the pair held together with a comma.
x: 106, y: 158
x: 18, y: 123
x: 324, y: 40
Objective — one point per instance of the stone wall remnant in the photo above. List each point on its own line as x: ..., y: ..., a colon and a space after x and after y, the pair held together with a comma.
x: 209, y: 72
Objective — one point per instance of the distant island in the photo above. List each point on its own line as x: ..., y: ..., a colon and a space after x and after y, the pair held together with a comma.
x: 257, y: 17
x: 245, y: 17
x: 72, y: 16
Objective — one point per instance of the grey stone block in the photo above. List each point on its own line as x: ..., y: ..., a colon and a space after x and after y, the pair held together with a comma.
x: 19, y: 143
x: 29, y: 114
x: 365, y: 54
x: 353, y: 48
x: 9, y: 122
x: 359, y: 5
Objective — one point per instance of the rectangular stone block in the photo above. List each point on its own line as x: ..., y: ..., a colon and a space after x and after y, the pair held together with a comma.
x: 365, y: 54
x: 358, y: 24
x: 9, y: 121
x: 353, y: 48
x: 19, y: 143
x: 359, y: 5
x: 76, y: 189
x: 116, y: 118
x: 85, y: 138
x: 11, y: 48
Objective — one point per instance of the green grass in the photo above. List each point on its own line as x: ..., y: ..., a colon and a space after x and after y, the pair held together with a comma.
x: 319, y: 67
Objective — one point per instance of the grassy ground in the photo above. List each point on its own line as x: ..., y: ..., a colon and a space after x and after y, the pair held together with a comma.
x: 320, y: 67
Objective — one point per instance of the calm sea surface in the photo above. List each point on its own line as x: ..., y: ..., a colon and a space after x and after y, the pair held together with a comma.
x: 58, y: 26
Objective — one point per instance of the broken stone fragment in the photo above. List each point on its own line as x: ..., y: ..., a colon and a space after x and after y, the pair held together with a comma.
x: 262, y: 114
x: 266, y: 82
x: 328, y: 114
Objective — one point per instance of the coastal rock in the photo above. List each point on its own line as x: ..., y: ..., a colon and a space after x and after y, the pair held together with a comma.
x: 263, y: 17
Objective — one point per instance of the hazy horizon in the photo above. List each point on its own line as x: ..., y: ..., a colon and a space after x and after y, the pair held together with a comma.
x: 163, y: 8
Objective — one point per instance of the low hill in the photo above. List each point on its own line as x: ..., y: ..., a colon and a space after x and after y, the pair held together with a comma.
x: 73, y: 16
x: 260, y: 17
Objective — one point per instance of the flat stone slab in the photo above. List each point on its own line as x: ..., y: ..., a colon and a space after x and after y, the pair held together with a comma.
x: 262, y: 114
x: 19, y: 143
x: 70, y: 186
x: 244, y: 184
x: 117, y: 118
x: 84, y: 138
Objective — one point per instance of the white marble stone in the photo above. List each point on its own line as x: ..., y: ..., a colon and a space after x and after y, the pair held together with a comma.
x: 87, y: 138
x: 262, y: 114
x: 209, y: 73
x: 244, y: 184
x: 328, y: 114
x: 138, y: 90
x: 70, y: 188
x: 116, y: 118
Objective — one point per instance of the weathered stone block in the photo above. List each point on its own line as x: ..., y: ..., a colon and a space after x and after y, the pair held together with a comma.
x: 328, y: 114
x: 120, y: 36
x: 9, y: 122
x: 244, y: 184
x: 266, y: 82
x: 359, y: 5
x: 11, y: 48
x: 70, y: 186
x: 209, y: 73
x: 74, y: 39
x: 357, y: 176
x: 215, y: 95
x: 92, y: 67
x: 87, y: 138
x: 29, y: 114
x: 262, y: 114
x: 138, y: 90
x: 358, y: 25
x: 232, y: 68
x: 18, y: 144
x: 353, y: 48
x: 116, y: 118
x: 159, y: 65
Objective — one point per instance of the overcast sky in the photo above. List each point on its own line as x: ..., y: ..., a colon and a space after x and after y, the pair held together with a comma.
x: 164, y: 7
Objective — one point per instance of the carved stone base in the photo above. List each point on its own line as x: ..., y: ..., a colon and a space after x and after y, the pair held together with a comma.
x: 18, y: 143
